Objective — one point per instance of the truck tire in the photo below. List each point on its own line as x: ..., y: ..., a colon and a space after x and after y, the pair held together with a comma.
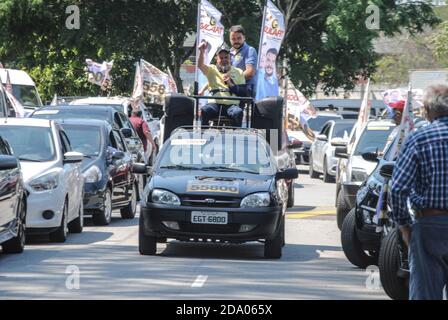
x: 341, y: 209
x: 352, y: 246
x: 389, y: 263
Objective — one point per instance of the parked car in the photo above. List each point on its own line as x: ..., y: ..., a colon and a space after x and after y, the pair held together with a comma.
x: 51, y: 174
x: 352, y: 169
x: 316, y: 125
x: 115, y: 118
x: 12, y: 202
x: 107, y: 169
x: 322, y: 159
x: 123, y: 104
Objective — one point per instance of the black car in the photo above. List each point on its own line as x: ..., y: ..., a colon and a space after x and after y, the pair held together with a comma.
x: 115, y: 118
x: 108, y: 169
x: 206, y: 187
x: 12, y: 202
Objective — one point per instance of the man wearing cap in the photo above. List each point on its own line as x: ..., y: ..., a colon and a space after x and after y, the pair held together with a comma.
x: 222, y: 78
x: 243, y: 56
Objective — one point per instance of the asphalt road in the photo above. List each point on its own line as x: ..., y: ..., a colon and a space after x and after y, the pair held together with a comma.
x: 313, y: 265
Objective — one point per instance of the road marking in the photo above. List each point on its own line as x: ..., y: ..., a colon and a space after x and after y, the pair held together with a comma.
x: 308, y: 214
x: 199, y: 282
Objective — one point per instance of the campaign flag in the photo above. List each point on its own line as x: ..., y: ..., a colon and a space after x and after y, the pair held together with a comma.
x: 406, y: 126
x: 299, y: 111
x: 137, y: 92
x: 99, y: 73
x: 271, y: 38
x: 210, y: 30
x: 153, y: 83
x: 364, y: 111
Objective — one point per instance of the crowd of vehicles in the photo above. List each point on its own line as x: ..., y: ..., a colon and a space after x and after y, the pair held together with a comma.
x: 82, y: 157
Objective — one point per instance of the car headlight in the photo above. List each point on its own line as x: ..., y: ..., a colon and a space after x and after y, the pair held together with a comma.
x: 48, y: 181
x: 359, y: 175
x: 92, y: 175
x: 262, y: 199
x: 164, y: 197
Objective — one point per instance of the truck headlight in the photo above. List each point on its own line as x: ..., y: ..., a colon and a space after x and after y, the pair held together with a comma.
x: 45, y: 182
x: 262, y: 199
x: 92, y: 175
x: 164, y: 197
x: 359, y: 175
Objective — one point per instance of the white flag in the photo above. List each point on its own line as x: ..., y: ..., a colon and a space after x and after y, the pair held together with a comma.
x: 211, y: 30
x: 364, y: 111
x: 99, y: 73
x: 155, y: 83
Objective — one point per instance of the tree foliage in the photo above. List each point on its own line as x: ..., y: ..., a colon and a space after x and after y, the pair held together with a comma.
x: 327, y: 41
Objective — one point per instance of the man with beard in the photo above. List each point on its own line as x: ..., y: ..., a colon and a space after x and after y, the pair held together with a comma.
x: 221, y: 77
x: 243, y: 56
x: 268, y: 86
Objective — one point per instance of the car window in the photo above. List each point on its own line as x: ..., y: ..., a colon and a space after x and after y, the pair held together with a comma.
x: 326, y: 130
x: 117, y: 120
x: 85, y: 139
x: 66, y: 147
x: 342, y: 130
x: 4, y: 148
x: 27, y: 95
x: 373, y: 139
x: 30, y: 143
x: 316, y: 124
x: 117, y: 142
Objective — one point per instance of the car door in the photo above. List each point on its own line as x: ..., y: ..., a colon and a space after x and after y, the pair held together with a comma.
x: 9, y: 190
x: 73, y: 178
x: 120, y: 168
x: 318, y: 158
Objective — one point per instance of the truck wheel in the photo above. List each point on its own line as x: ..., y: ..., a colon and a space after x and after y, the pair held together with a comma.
x: 147, y: 245
x: 352, y: 246
x: 341, y: 209
x: 389, y: 263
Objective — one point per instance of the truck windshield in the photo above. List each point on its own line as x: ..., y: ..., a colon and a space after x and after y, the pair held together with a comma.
x: 27, y: 96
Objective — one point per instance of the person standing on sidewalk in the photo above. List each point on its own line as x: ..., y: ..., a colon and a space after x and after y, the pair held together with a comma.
x: 421, y: 174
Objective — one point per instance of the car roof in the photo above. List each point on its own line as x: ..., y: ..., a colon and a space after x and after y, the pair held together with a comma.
x: 17, y: 77
x: 102, y: 100
x: 345, y: 103
x: 77, y: 107
x: 84, y: 122
x: 32, y: 122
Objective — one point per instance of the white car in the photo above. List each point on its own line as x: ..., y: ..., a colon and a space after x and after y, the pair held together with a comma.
x: 23, y: 87
x: 123, y: 104
x: 353, y: 169
x: 322, y: 159
x: 51, y: 175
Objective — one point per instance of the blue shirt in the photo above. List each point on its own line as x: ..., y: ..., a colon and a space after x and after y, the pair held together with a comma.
x: 266, y: 87
x: 244, y: 56
x: 421, y: 171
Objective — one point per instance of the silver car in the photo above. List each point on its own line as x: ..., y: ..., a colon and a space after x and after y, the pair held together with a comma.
x: 322, y: 159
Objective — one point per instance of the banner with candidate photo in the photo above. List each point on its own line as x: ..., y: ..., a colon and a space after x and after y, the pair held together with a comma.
x: 271, y: 38
x: 210, y: 30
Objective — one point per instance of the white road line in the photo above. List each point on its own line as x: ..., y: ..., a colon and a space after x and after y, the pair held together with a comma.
x: 199, y: 282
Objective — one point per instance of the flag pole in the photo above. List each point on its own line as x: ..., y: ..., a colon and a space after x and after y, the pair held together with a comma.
x: 198, y: 32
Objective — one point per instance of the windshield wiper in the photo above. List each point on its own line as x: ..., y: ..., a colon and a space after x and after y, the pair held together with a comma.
x: 179, y: 167
x: 30, y: 160
x: 228, y: 169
